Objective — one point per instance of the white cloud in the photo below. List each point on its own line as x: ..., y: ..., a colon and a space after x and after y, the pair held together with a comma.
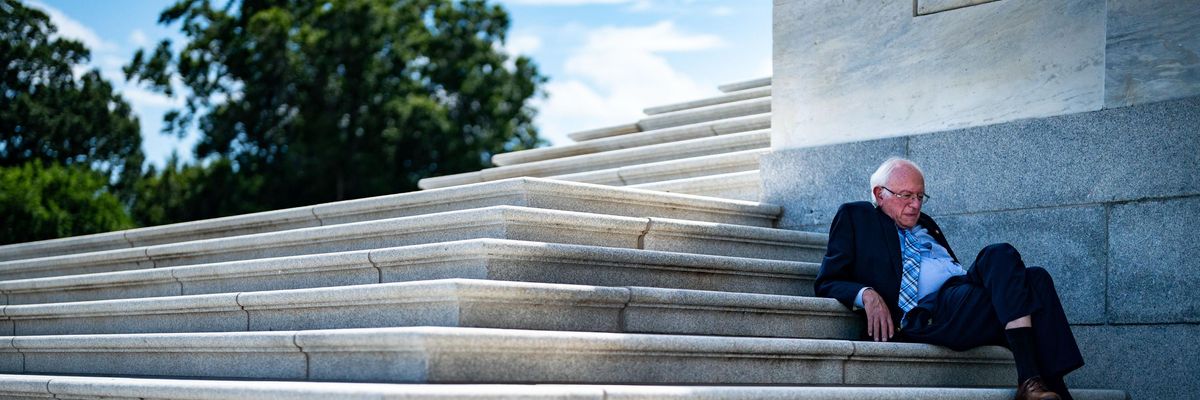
x: 72, y: 29
x: 641, y: 5
x: 615, y: 74
x: 764, y: 68
x: 518, y: 45
x: 722, y: 11
x: 80, y: 69
x: 660, y: 37
x: 141, y: 99
x: 138, y: 38
x: 522, y: 44
x: 110, y: 65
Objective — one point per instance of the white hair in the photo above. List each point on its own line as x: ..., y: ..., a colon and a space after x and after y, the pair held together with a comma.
x: 884, y: 172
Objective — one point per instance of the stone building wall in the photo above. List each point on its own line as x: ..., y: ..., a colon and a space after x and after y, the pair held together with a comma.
x: 1107, y: 201
x: 848, y: 71
x: 1068, y: 128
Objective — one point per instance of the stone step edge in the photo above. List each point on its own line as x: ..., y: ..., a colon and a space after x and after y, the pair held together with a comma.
x: 628, y: 231
x: 714, y: 112
x: 678, y: 118
x: 660, y: 152
x: 485, y: 355
x: 725, y: 97
x: 638, y: 139
x: 745, y: 185
x: 452, y: 303
x: 608, y: 131
x: 180, y: 279
x: 332, y: 213
x: 704, y: 182
x: 683, y: 168
x: 95, y: 387
x: 746, y: 84
x: 86, y: 387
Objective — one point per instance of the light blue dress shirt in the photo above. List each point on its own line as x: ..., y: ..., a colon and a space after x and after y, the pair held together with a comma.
x: 936, y: 265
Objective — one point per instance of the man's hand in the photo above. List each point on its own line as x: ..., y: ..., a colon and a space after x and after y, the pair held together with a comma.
x: 879, y: 319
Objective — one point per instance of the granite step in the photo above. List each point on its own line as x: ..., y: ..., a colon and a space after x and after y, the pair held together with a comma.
x: 743, y: 85
x: 752, y: 93
x: 493, y: 259
x: 678, y: 118
x: 758, y: 139
x: 486, y: 355
x: 529, y: 192
x: 608, y: 131
x: 737, y: 185
x: 717, y: 164
x: 716, y: 112
x: 675, y: 134
x: 86, y: 387
x: 452, y: 303
x: 613, y: 392
x: 498, y: 222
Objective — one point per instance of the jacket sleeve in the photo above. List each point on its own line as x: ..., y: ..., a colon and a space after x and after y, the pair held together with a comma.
x: 836, y: 276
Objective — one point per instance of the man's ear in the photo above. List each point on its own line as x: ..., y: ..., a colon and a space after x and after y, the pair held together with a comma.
x: 877, y: 193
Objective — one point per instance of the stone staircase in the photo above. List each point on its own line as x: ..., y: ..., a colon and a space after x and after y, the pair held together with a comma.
x: 584, y: 271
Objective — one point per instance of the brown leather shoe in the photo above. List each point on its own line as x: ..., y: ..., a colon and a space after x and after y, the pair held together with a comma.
x: 1034, y: 389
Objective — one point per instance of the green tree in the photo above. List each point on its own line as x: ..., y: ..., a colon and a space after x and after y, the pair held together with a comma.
x: 47, y: 113
x: 318, y: 101
x: 183, y: 192
x: 44, y: 202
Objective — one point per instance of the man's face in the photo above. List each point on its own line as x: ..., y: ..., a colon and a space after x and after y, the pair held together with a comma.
x: 904, y: 180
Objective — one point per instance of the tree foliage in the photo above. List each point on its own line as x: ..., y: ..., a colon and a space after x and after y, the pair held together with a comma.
x: 45, y: 202
x: 49, y: 115
x: 317, y: 101
x: 65, y: 136
x: 182, y: 192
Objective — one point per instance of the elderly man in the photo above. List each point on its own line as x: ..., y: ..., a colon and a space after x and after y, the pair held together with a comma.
x: 892, y: 261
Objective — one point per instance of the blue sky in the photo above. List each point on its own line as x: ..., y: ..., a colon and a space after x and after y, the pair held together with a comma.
x: 606, y: 59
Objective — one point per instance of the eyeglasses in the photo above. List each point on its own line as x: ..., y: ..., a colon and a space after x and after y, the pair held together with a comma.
x: 921, y: 197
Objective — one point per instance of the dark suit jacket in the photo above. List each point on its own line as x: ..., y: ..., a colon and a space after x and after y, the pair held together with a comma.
x: 864, y: 251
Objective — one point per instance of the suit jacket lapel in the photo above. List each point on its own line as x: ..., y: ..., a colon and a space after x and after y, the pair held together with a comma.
x: 937, y: 234
x: 887, y: 228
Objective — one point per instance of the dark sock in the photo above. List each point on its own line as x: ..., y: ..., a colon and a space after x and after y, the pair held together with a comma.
x: 1056, y: 385
x: 1020, y: 341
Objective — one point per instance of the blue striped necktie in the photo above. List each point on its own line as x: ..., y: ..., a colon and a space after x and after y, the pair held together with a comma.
x: 912, y: 270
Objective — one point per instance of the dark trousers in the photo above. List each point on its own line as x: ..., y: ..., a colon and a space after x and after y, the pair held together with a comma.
x: 972, y: 310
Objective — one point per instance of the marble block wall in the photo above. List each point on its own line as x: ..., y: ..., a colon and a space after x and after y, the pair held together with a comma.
x: 856, y: 70
x: 1152, y: 51
x: 863, y: 69
x: 1107, y: 201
